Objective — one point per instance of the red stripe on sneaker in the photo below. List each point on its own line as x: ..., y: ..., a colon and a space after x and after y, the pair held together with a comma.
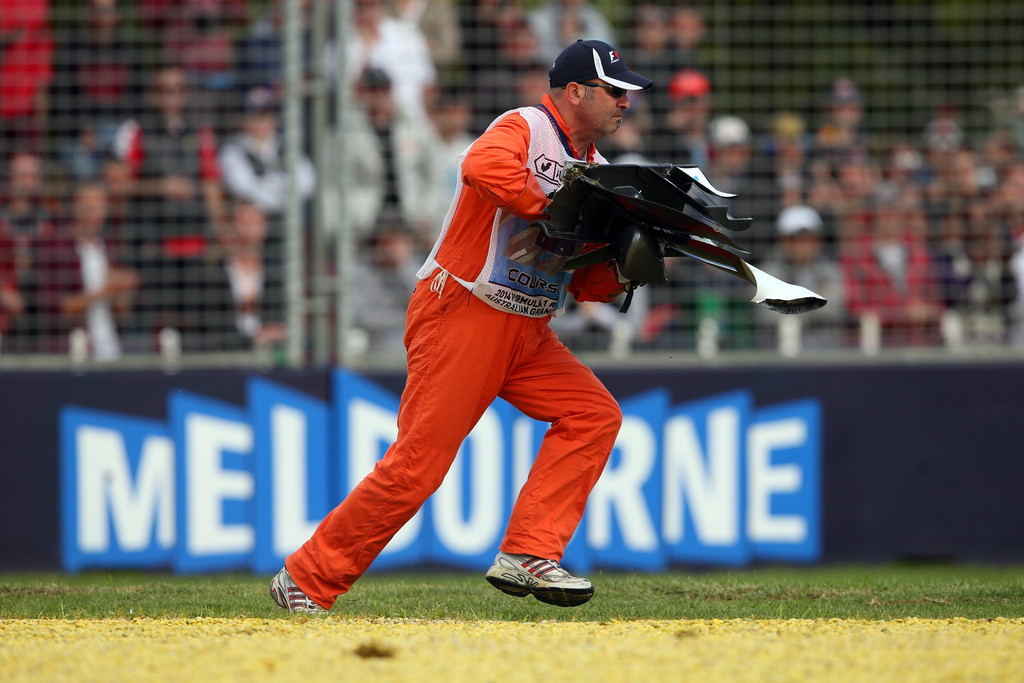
x: 542, y: 567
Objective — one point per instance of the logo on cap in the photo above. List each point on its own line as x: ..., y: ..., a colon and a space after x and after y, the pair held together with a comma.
x: 590, y: 59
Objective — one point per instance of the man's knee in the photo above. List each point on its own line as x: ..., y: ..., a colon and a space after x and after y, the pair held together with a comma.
x: 609, y: 417
x: 597, y: 421
x: 414, y: 471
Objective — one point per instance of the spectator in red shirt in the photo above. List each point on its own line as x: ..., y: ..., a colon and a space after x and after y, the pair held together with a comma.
x: 26, y: 68
x: 28, y: 215
x: 888, y: 272
x: 178, y: 200
x: 11, y: 303
x: 80, y: 283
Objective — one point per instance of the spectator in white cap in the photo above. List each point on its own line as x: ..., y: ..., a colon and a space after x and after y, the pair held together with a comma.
x: 731, y: 170
x: 799, y: 258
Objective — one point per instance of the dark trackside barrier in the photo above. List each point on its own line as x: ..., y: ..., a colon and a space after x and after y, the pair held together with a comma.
x: 722, y: 466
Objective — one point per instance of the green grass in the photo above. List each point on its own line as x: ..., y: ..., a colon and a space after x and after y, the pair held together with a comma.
x: 889, y: 592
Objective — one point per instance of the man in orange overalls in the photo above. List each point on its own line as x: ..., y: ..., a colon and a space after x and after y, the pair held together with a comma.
x: 477, y: 328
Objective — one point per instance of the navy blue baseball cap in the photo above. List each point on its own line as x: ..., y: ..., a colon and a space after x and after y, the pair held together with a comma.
x: 588, y: 59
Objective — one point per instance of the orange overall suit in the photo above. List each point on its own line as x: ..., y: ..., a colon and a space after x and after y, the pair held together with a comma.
x: 481, y: 336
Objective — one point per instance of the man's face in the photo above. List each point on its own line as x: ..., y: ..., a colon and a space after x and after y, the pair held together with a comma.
x: 734, y: 158
x: 379, y: 103
x: 688, y: 27
x: 261, y: 125
x: 690, y: 113
x: 889, y: 224
x: 90, y: 211
x: 802, y: 247
x: 847, y: 114
x: 169, y: 91
x: 601, y: 110
x: 367, y: 12
x: 103, y: 13
x: 116, y: 177
x: 392, y: 249
x: 855, y: 179
x: 453, y: 117
x: 26, y: 175
x: 966, y: 171
x: 651, y: 27
x: 1012, y: 190
x: 250, y: 225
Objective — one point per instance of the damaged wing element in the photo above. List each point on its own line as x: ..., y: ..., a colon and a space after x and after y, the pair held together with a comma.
x: 643, y: 214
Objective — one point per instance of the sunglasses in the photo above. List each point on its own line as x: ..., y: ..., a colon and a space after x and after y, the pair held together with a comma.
x: 614, y: 90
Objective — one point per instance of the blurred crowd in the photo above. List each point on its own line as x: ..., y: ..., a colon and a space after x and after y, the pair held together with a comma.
x: 144, y: 184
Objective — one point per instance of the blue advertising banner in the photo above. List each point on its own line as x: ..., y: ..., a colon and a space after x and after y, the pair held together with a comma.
x: 714, y: 482
x: 117, y: 481
x: 209, y: 470
x: 291, y: 469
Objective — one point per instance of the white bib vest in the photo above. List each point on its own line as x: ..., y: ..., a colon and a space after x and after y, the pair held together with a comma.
x: 522, y: 273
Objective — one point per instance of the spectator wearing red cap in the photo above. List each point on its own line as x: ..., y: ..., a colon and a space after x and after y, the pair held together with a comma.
x: 682, y: 136
x: 26, y: 68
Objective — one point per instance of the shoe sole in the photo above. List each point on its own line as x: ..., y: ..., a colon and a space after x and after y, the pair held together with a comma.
x: 559, y: 597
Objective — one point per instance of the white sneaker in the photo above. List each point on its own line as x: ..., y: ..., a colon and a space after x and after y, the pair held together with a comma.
x: 522, y: 575
x: 289, y: 596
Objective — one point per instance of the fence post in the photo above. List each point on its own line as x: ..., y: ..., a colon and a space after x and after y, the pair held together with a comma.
x: 343, y: 240
x: 293, y: 238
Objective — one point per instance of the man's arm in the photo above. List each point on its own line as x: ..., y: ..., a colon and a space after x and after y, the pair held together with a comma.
x: 496, y: 167
x: 10, y: 298
x: 121, y: 282
x: 209, y: 171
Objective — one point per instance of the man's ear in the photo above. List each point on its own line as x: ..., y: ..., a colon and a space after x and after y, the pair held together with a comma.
x: 574, y: 92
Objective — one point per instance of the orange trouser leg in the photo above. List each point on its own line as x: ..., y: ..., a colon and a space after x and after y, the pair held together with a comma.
x: 552, y: 385
x: 459, y: 354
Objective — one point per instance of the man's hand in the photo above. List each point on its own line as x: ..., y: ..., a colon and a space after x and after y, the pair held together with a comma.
x: 177, y: 188
x: 122, y: 280
x: 11, y: 301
